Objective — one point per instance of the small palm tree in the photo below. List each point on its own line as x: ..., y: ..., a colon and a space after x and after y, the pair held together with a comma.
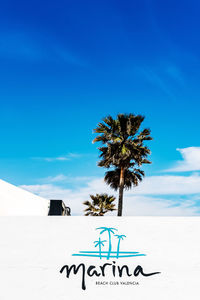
x: 99, y: 243
x: 120, y: 237
x: 100, y: 205
x: 109, y: 230
x: 123, y: 146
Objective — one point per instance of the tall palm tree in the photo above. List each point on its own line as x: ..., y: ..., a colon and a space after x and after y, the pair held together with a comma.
x: 110, y: 231
x: 120, y: 237
x: 100, y: 205
x: 123, y: 146
x: 99, y: 243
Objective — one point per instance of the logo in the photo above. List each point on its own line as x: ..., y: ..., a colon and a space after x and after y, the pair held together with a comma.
x: 100, y: 244
x: 106, y: 247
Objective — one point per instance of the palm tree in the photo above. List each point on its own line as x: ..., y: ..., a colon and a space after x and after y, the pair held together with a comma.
x: 109, y: 230
x: 100, y: 205
x: 120, y: 237
x: 99, y: 243
x: 131, y: 178
x: 123, y: 146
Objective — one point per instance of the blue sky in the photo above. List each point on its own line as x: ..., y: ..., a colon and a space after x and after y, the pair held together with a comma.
x: 67, y: 64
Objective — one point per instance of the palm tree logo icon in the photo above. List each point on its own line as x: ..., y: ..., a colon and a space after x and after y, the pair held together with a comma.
x: 120, y: 237
x: 99, y: 243
x: 110, y: 253
x: 110, y: 231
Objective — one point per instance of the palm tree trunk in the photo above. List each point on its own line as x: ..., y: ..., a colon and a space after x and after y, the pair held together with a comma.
x: 110, y: 245
x: 118, y: 245
x: 121, y: 191
x: 99, y: 249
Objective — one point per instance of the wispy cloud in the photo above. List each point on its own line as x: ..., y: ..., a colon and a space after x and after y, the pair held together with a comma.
x: 65, y: 157
x: 66, y: 56
x: 24, y: 46
x: 57, y: 178
x: 61, y: 178
x: 164, y: 75
x: 18, y: 45
x: 190, y: 160
x: 174, y: 73
x: 156, y: 79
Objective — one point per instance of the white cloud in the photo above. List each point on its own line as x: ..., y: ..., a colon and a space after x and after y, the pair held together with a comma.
x: 150, y: 206
x: 57, y: 158
x: 147, y: 199
x: 169, y: 185
x: 65, y: 157
x: 190, y: 162
x: 57, y: 178
x: 61, y: 178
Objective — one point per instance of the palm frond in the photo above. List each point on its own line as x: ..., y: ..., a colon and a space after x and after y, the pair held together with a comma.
x: 100, y: 204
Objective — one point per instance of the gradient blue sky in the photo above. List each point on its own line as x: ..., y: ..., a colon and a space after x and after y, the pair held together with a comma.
x: 67, y: 64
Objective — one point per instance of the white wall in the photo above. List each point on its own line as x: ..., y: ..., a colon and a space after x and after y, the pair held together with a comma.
x: 15, y: 201
x: 33, y: 250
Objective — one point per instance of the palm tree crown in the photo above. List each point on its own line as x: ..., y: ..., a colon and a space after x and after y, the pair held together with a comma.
x: 107, y: 229
x: 131, y: 178
x: 100, y: 204
x: 99, y: 242
x: 123, y: 148
x: 120, y: 236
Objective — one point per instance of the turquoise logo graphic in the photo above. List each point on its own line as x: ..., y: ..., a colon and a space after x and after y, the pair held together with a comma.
x: 101, y: 244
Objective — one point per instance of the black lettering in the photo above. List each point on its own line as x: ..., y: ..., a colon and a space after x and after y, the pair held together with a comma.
x: 139, y: 270
x: 114, y: 269
x: 75, y: 270
x: 93, y: 273
x: 103, y: 268
x: 120, y: 270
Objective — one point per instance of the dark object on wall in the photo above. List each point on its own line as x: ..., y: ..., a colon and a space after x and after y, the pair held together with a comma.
x: 58, y: 208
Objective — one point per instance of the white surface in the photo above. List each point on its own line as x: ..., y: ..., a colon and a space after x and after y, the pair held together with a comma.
x: 15, y: 201
x: 32, y: 251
